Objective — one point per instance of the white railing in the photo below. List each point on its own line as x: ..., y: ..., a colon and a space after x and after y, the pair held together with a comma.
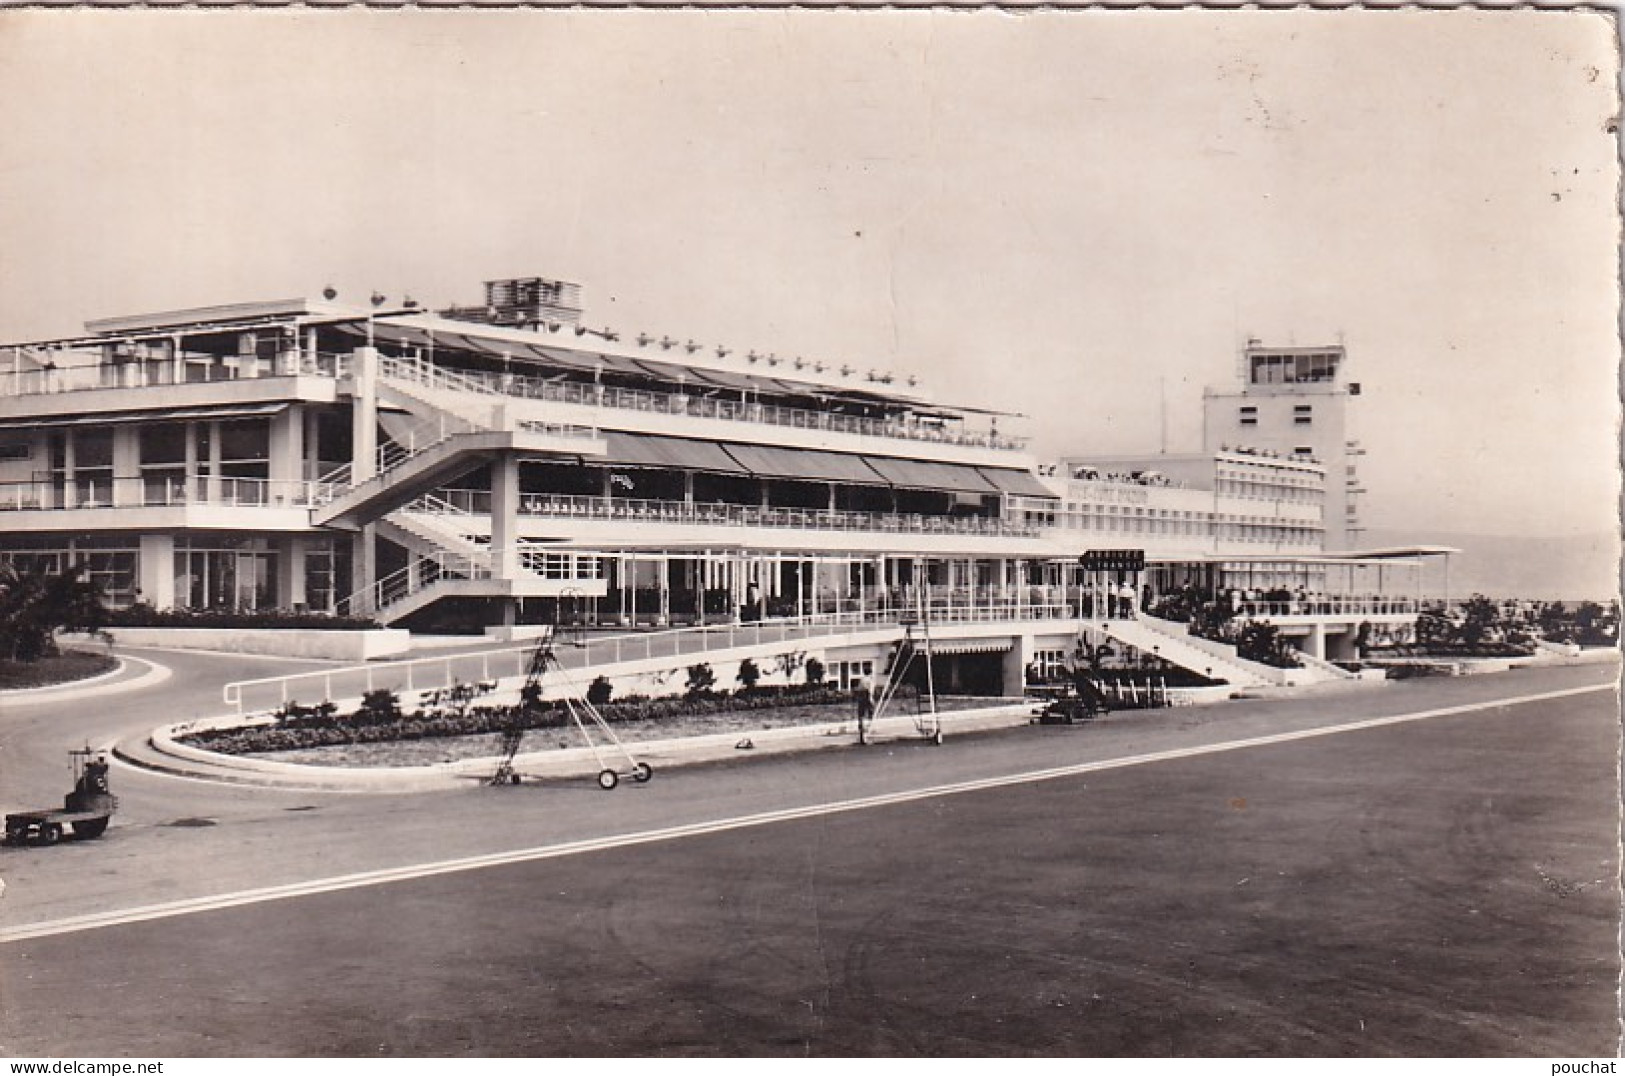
x: 473, y: 501
x: 90, y: 371
x: 524, y: 386
x: 1329, y: 606
x: 452, y: 564
x: 418, y: 575
x: 424, y: 674
x: 162, y: 492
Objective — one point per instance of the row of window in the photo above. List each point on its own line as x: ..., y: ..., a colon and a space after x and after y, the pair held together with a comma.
x: 1302, y: 415
x: 1080, y: 516
x: 1294, y: 369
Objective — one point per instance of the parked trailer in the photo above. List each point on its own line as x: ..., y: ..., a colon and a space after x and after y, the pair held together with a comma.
x: 87, y: 809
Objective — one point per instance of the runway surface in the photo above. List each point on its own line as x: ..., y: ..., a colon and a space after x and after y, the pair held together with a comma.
x: 1445, y: 885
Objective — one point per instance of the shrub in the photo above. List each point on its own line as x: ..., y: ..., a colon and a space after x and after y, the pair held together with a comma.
x: 749, y: 675
x: 142, y: 615
x: 701, y: 680
x: 378, y: 706
x: 599, y: 691
x: 815, y: 671
x: 1261, y: 641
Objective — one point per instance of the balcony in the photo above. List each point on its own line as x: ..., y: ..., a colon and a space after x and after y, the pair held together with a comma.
x: 161, y: 492
x: 92, y: 373
x: 728, y: 515
x: 526, y: 387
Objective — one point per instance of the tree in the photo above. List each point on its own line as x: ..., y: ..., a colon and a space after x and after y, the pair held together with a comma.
x: 599, y: 691
x: 1261, y: 641
x: 38, y: 603
x: 815, y: 671
x: 1480, y: 618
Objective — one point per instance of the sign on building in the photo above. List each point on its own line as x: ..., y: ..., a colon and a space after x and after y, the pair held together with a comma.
x: 1113, y: 560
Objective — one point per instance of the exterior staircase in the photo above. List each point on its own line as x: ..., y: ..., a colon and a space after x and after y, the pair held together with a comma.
x: 1171, y: 642
x: 441, y: 441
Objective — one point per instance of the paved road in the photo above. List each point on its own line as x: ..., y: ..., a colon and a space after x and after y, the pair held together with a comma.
x: 1439, y: 886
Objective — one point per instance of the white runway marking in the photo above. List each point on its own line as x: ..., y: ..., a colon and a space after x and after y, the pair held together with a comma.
x: 598, y: 844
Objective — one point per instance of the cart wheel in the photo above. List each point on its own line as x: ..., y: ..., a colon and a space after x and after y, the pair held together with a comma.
x: 50, y: 833
x: 642, y: 772
x: 91, y: 829
x: 607, y: 780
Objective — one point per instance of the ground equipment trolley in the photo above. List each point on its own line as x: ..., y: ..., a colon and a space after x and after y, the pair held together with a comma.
x: 87, y: 809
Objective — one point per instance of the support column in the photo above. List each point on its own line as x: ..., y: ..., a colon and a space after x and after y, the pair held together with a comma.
x: 70, y: 491
x: 211, y: 487
x: 1016, y: 660
x: 287, y: 447
x: 291, y: 579
x: 504, y: 516
x: 364, y: 414
x: 663, y: 581
x: 127, y: 466
x: 191, y: 461
x: 364, y: 566
x: 157, y: 570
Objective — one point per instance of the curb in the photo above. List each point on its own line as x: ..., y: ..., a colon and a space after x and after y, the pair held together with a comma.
x: 577, y: 762
x: 102, y: 684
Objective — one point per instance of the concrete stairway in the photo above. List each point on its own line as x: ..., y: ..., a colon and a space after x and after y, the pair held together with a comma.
x: 1170, y: 642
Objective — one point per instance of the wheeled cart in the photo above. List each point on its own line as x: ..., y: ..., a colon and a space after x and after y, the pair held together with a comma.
x: 86, y: 810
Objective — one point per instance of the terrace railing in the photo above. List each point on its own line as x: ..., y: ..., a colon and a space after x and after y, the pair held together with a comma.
x: 82, y: 370
x: 162, y: 492
x: 1330, y: 606
x: 424, y: 674
x: 524, y: 386
x: 729, y: 515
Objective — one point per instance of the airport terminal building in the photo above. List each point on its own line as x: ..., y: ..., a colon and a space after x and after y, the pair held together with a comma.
x: 480, y: 466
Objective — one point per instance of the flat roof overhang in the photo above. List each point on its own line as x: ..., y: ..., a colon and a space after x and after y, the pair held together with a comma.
x: 159, y: 414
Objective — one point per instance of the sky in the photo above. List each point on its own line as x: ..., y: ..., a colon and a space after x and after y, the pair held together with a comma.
x: 1079, y: 216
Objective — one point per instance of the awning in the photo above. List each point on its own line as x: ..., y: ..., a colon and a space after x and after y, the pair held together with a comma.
x: 165, y: 414
x: 586, y: 361
x: 972, y: 646
x: 920, y: 474
x: 398, y: 335
x: 805, y: 464
x: 1020, y: 483
x: 667, y: 453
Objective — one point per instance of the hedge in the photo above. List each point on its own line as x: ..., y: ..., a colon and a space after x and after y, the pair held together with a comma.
x: 377, y: 721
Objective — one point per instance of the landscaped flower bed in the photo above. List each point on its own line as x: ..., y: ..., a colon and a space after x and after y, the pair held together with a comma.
x: 452, y: 713
x: 743, y: 723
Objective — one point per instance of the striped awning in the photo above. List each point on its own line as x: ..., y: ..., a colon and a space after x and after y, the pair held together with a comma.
x: 667, y: 453
x: 922, y: 474
x: 806, y: 465
x: 1020, y: 483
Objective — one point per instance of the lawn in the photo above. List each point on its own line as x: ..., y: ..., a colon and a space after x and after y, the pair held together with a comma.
x: 64, y: 668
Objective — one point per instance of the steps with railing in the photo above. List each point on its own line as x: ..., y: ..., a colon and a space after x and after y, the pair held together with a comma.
x: 1322, y: 670
x: 1168, y: 641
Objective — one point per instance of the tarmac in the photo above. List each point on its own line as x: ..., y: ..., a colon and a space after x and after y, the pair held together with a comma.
x: 157, y: 752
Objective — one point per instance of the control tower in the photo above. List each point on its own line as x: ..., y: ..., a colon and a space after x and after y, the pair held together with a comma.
x: 1294, y: 402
